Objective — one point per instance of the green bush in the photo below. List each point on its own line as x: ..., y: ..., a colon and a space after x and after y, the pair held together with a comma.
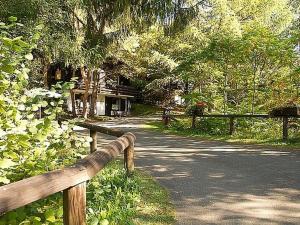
x: 31, y: 144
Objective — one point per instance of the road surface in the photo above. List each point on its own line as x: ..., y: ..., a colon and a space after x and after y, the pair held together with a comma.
x: 220, y: 183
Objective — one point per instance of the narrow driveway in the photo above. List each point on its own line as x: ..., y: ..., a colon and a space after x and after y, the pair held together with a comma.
x: 220, y: 183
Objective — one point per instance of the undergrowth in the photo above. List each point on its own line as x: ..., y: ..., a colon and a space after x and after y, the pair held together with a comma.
x: 260, y: 131
x: 145, y: 110
x: 113, y: 198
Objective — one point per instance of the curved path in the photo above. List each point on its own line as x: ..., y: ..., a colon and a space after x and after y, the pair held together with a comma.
x: 220, y: 183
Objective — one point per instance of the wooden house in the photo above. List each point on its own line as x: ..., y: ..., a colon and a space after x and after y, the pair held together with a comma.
x: 114, y: 93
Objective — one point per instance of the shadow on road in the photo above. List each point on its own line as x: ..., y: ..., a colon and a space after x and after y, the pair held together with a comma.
x: 220, y: 183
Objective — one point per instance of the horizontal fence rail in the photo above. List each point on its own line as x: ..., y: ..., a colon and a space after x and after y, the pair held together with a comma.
x: 71, y: 180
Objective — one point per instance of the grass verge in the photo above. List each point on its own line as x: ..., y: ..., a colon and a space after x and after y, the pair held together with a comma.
x: 113, y: 198
x: 154, y: 207
x: 292, y: 143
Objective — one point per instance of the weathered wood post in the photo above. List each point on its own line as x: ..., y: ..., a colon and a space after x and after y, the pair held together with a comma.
x: 285, y: 123
x: 93, y: 144
x: 129, y: 159
x: 166, y: 117
x: 194, y: 120
x: 231, y: 125
x: 75, y: 205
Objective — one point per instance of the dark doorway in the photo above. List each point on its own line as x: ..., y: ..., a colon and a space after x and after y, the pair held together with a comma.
x: 123, y: 105
x: 108, y: 106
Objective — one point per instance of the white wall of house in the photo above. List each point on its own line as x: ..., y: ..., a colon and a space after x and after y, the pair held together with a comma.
x: 178, y: 100
x: 100, y: 105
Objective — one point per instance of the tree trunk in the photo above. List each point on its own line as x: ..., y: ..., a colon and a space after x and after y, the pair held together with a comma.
x: 225, y: 93
x: 253, y: 94
x: 45, y: 74
x: 73, y: 103
x: 87, y: 80
x: 96, y: 81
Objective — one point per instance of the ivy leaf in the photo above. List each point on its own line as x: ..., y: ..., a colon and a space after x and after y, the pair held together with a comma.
x: 6, y: 163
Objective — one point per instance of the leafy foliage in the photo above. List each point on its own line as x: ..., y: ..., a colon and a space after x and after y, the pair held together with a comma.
x: 234, y: 55
x: 31, y: 144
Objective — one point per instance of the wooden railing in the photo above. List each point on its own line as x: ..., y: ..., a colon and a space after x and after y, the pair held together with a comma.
x: 232, y: 117
x: 71, y: 180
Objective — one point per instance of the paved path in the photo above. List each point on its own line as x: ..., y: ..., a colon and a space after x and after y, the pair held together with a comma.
x: 220, y: 183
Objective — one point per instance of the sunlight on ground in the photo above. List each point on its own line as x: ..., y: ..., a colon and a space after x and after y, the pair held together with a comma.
x: 276, y: 207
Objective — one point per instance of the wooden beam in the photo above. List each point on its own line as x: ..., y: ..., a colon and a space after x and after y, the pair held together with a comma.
x: 74, y: 200
x: 104, y: 130
x: 194, y: 121
x: 93, y: 143
x: 129, y: 159
x: 236, y: 115
x: 24, y: 192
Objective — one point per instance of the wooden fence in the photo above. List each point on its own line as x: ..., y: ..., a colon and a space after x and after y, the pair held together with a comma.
x: 71, y: 180
x: 232, y: 117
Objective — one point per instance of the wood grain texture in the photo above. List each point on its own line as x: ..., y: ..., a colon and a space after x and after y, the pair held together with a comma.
x: 21, y: 193
x: 104, y: 130
x: 129, y: 159
x: 75, y: 205
x: 93, y: 143
x: 285, y: 127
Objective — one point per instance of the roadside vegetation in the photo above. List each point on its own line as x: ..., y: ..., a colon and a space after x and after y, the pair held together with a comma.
x: 247, y: 131
x: 145, y: 110
x: 236, y: 56
x: 31, y: 144
x: 112, y: 199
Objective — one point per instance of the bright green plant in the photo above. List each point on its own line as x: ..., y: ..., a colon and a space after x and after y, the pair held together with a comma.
x: 112, y: 197
x: 32, y: 141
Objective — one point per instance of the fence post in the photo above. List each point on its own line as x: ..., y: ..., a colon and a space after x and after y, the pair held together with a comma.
x: 129, y: 159
x: 285, y: 123
x: 93, y: 144
x: 231, y: 124
x: 75, y: 205
x: 194, y: 120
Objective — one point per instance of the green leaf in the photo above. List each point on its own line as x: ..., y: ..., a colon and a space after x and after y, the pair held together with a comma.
x: 50, y: 215
x: 6, y: 163
x: 40, y: 27
x: 4, y: 180
x: 94, y: 221
x: 104, y: 222
x: 12, y: 19
x: 7, y: 68
x: 29, y: 56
